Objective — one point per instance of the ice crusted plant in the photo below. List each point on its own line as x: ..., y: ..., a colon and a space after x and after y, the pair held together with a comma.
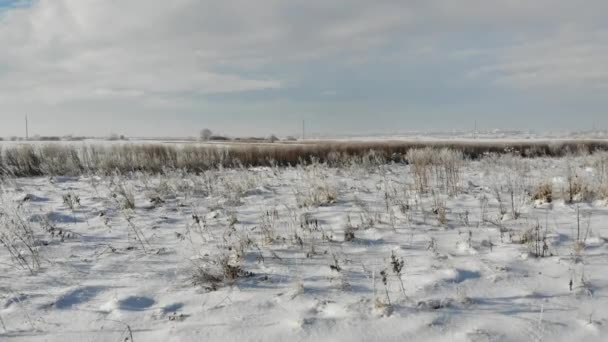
x: 440, y: 209
x: 600, y: 165
x: 125, y: 200
x: 536, y: 240
x: 508, y: 173
x: 267, y: 225
x: 349, y: 234
x: 575, y: 188
x: 448, y: 164
x: 421, y: 161
x: 17, y: 236
x: 444, y: 166
x: 384, y: 278
x: 368, y: 216
x: 397, y: 265
x: 335, y: 264
x: 404, y: 202
x: 136, y: 233
x: 71, y: 200
x: 47, y: 224
x: 315, y: 190
x: 581, y: 236
x: 349, y: 231
x: 432, y: 246
x: 543, y: 193
x: 124, y: 196
x: 223, y: 270
x: 318, y: 195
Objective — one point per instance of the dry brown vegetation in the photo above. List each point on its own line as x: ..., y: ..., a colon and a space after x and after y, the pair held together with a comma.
x: 56, y: 159
x: 543, y: 193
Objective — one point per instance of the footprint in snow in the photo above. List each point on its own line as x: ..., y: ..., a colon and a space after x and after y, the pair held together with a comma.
x: 136, y: 303
x: 78, y: 296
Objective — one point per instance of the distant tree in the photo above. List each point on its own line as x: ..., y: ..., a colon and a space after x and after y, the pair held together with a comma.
x: 206, y: 134
x: 218, y: 138
x: 273, y: 138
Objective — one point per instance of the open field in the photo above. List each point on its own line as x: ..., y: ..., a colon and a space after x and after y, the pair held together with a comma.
x: 460, y: 242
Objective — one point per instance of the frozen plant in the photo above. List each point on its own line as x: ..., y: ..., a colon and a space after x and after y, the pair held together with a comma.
x: 397, y: 265
x: 71, y: 200
x: 223, y: 270
x: 17, y: 236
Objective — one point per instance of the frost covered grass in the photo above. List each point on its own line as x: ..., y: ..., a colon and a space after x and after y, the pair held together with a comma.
x: 432, y: 246
x: 26, y: 160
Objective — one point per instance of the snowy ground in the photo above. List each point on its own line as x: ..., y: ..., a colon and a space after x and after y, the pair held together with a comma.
x: 110, y: 273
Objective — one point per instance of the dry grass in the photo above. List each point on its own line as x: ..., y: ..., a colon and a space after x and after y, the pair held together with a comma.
x: 221, y: 271
x: 577, y: 190
x: 17, y: 236
x: 443, y: 166
x: 54, y: 159
x: 543, y: 193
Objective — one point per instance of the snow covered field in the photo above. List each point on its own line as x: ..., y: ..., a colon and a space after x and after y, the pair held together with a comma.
x: 501, y: 249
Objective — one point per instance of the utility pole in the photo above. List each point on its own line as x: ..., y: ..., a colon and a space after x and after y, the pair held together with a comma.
x: 27, y: 133
x: 475, y: 134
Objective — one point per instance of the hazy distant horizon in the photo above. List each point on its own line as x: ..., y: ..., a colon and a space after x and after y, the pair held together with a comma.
x: 243, y: 68
x: 481, y: 134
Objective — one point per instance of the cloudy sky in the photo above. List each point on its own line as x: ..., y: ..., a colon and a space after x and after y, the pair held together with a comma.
x: 243, y: 67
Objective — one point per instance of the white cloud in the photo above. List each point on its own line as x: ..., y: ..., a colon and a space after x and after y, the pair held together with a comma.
x: 56, y: 52
x: 71, y: 49
x: 571, y: 59
x: 143, y: 46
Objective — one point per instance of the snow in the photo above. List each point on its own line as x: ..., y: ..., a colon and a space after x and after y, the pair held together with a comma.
x: 114, y: 273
